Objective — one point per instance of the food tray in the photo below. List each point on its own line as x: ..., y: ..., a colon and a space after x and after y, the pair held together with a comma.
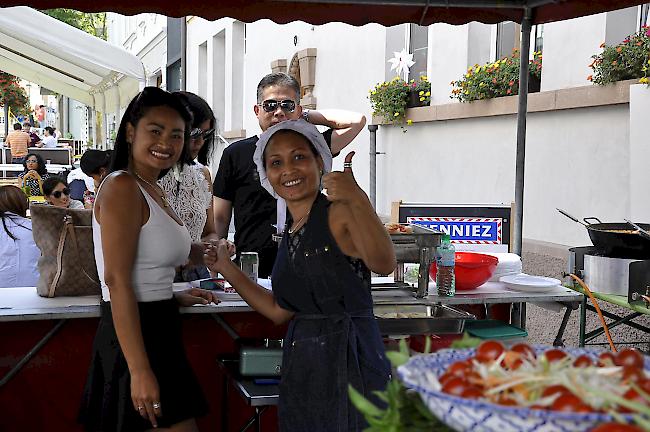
x: 420, y: 319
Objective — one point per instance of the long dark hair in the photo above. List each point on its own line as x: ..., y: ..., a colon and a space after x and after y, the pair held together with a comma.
x: 13, y: 205
x: 201, y: 112
x: 148, y: 98
x: 42, y: 169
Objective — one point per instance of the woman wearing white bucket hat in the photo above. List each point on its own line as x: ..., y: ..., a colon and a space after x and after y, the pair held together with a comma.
x: 321, y: 281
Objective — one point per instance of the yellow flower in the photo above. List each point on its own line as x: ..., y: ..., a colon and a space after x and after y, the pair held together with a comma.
x: 421, y: 99
x: 648, y: 61
x: 421, y: 92
x: 644, y: 80
x: 424, y: 78
x: 427, y: 94
x: 396, y: 114
x: 467, y: 75
x: 409, y: 122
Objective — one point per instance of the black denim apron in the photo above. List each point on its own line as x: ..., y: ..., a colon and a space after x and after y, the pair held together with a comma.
x: 333, y: 339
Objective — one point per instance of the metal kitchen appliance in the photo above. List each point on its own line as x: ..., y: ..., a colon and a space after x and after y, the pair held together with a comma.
x: 417, y: 247
x: 626, y: 275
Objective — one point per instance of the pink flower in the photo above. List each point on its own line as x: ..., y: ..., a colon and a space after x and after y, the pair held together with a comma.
x: 647, y: 33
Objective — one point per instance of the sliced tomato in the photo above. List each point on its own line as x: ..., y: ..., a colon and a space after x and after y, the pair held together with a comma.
x: 442, y: 379
x: 455, y: 386
x: 555, y: 389
x: 629, y: 357
x: 569, y: 402
x: 633, y: 374
x: 489, y: 351
x: 634, y: 396
x: 472, y: 392
x: 583, y: 361
x: 606, y: 359
x: 554, y: 355
x: 524, y: 349
x: 616, y: 427
x: 459, y: 368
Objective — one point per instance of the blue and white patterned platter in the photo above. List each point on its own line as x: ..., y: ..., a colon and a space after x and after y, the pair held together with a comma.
x: 471, y: 415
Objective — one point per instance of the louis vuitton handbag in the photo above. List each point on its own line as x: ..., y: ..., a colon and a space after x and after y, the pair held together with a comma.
x: 67, y: 263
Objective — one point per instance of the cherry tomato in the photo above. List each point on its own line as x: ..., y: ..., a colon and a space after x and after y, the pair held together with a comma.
x: 644, y: 384
x: 472, y: 392
x: 555, y: 390
x: 629, y: 357
x: 473, y: 378
x: 489, y: 351
x: 554, y: 355
x: 616, y: 427
x: 606, y: 359
x: 506, y: 400
x: 583, y: 361
x: 524, y: 349
x: 460, y: 368
x: 570, y: 403
x: 455, y: 386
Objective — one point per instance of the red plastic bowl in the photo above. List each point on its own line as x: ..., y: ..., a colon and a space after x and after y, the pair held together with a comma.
x: 472, y: 269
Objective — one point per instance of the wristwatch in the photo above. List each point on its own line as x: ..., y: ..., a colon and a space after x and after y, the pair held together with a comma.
x: 305, y: 114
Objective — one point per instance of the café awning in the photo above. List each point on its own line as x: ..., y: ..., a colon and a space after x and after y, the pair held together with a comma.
x: 355, y: 12
x: 68, y: 61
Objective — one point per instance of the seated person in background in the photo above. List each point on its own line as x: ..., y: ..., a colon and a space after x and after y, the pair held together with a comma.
x: 94, y: 166
x: 49, y: 141
x: 17, y: 141
x: 33, y: 163
x: 35, y: 139
x: 57, y: 193
x: 18, y: 252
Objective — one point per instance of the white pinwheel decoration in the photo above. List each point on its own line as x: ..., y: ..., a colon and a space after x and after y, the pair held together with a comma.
x: 401, y: 63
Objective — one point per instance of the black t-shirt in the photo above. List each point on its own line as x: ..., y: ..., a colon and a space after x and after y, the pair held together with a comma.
x: 254, y: 208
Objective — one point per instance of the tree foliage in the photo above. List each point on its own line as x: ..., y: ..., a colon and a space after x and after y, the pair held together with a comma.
x: 91, y: 23
x: 13, y: 95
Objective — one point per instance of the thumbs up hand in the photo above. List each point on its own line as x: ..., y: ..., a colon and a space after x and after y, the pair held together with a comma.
x: 341, y: 186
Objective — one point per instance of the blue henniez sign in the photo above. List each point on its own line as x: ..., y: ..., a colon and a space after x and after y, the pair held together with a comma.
x: 463, y: 230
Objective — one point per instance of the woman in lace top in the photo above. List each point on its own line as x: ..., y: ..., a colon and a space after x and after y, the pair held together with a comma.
x: 189, y: 187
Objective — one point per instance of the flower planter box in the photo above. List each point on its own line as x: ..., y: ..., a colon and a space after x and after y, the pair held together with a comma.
x: 413, y: 100
x: 534, y: 84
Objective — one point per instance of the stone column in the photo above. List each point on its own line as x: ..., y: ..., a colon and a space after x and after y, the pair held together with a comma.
x: 307, y: 61
x: 279, y: 65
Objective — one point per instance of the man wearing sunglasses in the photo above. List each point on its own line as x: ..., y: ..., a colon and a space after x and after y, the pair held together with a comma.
x: 236, y: 185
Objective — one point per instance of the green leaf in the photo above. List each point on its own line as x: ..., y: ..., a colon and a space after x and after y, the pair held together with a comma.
x: 397, y: 358
x: 362, y: 404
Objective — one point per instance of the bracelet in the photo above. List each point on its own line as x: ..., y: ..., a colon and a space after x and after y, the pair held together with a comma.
x: 305, y: 114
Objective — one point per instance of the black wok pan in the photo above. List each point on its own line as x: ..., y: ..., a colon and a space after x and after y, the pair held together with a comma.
x: 615, y: 239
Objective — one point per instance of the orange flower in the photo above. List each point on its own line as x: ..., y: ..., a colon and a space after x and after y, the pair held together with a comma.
x: 639, y: 43
x: 509, y: 91
x: 614, y: 63
x: 592, y: 64
x: 590, y: 78
x: 602, y: 45
x: 619, y: 49
x: 511, y: 83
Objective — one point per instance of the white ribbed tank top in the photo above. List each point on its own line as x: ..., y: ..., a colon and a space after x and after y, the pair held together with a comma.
x: 163, y: 245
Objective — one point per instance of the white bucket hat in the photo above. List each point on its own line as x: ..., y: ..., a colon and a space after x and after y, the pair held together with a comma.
x: 304, y: 128
x: 312, y: 134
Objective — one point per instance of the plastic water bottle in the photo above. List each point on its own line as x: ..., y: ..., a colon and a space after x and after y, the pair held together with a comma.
x: 445, y: 263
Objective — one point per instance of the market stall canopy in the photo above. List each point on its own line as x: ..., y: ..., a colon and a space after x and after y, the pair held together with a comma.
x: 355, y: 12
x: 48, y: 52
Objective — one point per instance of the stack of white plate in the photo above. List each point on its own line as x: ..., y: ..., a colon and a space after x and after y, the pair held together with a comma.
x: 509, y: 264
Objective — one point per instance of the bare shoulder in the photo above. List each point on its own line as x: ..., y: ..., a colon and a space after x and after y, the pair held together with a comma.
x: 119, y: 192
x: 206, y: 174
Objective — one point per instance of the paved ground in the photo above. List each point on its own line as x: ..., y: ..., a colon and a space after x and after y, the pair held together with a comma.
x: 543, y: 324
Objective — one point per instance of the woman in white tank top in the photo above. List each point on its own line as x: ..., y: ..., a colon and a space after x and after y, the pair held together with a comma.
x: 139, y: 240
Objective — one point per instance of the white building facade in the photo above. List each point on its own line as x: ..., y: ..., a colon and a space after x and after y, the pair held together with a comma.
x: 585, y: 145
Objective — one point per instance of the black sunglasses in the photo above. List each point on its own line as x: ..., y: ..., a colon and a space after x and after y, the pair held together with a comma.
x: 270, y: 105
x: 198, y: 132
x: 31, y: 161
x: 57, y: 194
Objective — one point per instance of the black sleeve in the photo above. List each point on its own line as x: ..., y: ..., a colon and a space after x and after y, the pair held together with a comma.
x: 222, y: 186
x: 328, y: 139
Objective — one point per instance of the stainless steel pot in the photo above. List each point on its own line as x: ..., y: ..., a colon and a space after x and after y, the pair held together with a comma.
x: 607, y: 275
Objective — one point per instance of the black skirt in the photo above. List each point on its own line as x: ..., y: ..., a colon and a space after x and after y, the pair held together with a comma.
x: 106, y: 404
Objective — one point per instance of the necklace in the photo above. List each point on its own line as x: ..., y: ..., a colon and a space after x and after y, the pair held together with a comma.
x: 298, y: 224
x: 162, y: 192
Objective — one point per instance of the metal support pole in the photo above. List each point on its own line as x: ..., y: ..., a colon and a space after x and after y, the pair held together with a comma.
x: 183, y: 53
x: 373, y: 165
x: 526, y: 25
